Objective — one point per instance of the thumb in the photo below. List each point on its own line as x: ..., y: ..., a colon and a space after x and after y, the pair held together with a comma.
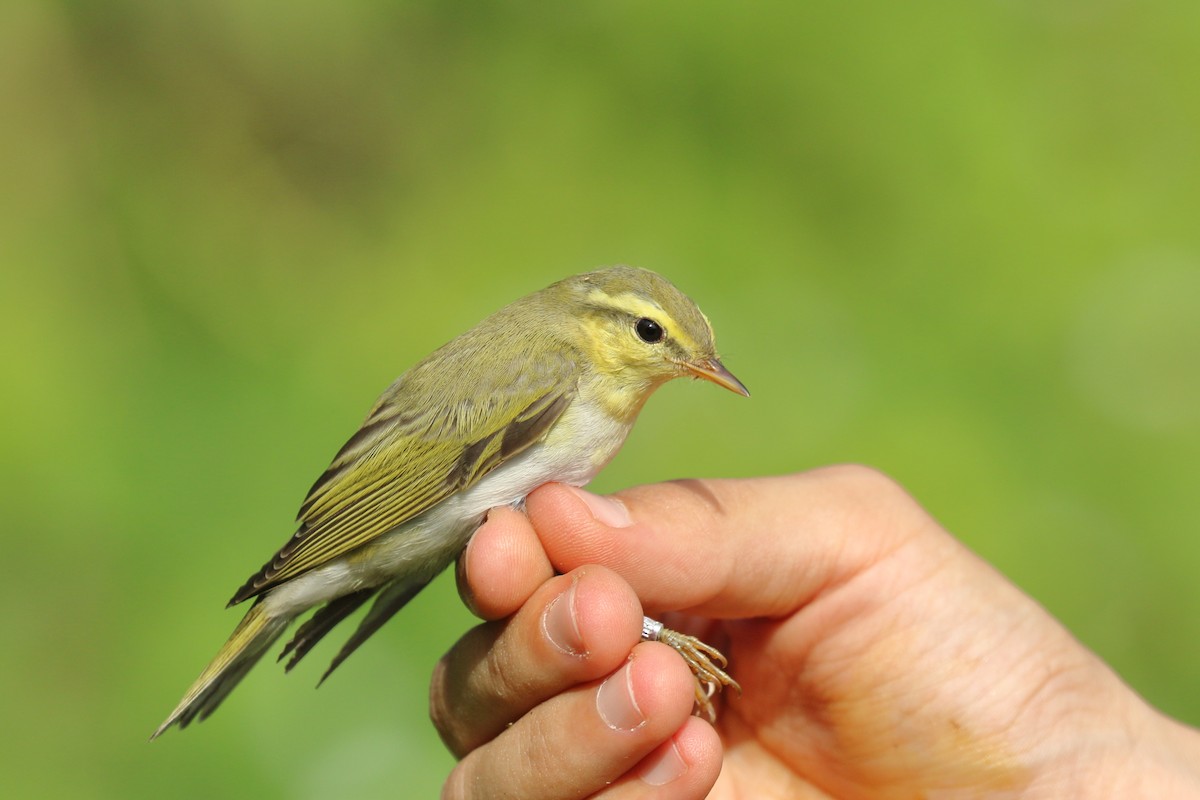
x: 731, y: 548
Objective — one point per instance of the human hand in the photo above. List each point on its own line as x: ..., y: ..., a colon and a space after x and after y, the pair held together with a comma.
x: 878, y: 657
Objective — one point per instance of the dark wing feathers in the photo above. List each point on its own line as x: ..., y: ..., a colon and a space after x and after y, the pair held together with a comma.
x: 393, y: 598
x: 481, y: 457
x: 532, y: 424
x: 330, y: 530
x: 321, y: 623
x: 405, y: 460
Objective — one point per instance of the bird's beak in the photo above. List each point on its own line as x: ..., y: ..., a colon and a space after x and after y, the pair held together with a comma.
x: 713, y: 370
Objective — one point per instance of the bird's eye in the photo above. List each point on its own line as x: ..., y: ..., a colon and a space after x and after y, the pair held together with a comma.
x: 648, y: 330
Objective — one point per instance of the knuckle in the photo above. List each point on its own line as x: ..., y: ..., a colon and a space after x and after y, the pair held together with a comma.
x: 499, y: 677
x: 862, y: 481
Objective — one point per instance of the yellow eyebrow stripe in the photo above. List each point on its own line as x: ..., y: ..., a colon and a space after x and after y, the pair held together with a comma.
x: 638, y: 306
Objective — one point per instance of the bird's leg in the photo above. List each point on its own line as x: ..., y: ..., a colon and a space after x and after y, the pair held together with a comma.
x: 705, y: 661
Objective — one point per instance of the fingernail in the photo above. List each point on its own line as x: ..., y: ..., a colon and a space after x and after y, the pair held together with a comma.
x: 614, y: 701
x: 560, y: 625
x: 609, y: 510
x: 662, y: 766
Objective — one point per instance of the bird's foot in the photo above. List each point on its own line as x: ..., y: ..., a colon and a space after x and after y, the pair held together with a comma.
x: 706, y: 662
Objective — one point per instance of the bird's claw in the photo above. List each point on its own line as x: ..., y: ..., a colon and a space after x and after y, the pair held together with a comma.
x: 707, y: 663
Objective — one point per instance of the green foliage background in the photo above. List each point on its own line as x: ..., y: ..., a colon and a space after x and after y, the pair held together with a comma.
x: 957, y: 241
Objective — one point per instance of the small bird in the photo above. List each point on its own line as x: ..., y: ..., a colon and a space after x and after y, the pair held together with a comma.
x: 546, y: 389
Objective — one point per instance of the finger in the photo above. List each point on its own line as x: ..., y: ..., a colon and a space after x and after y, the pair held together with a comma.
x: 502, y: 565
x: 577, y: 743
x: 731, y: 548
x: 683, y: 767
x: 576, y: 628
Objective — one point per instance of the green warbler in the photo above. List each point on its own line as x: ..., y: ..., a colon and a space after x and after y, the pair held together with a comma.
x: 546, y: 389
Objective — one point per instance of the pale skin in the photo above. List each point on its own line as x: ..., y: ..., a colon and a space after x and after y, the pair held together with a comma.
x: 878, y: 657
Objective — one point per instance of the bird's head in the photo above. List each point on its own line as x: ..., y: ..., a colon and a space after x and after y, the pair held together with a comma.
x: 639, y: 331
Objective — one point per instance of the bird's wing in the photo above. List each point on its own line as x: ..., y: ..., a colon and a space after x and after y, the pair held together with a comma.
x: 407, y: 457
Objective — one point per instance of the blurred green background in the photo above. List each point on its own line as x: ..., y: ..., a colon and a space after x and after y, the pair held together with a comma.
x: 957, y: 241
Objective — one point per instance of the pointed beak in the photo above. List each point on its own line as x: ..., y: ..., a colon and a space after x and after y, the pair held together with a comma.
x: 713, y: 370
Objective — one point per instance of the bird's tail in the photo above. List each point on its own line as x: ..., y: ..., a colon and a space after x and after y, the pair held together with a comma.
x: 250, y: 639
